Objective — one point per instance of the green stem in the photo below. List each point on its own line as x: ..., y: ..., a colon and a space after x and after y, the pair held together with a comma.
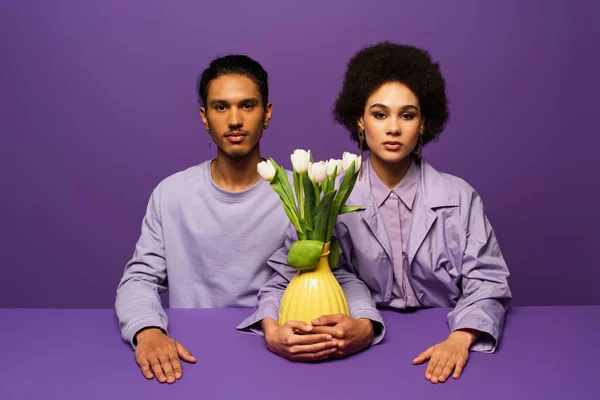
x: 300, y: 195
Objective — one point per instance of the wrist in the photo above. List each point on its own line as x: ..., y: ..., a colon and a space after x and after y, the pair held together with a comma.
x: 467, y: 336
x: 268, y: 326
x: 144, y: 332
x: 367, y: 326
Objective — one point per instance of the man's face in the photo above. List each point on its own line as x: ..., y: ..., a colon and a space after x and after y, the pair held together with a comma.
x: 234, y: 115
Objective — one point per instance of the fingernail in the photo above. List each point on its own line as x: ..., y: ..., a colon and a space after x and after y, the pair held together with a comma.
x: 308, y: 327
x: 428, y: 376
x: 178, y: 375
x: 328, y: 337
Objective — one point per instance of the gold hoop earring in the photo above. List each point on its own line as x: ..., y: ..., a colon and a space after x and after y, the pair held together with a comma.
x: 361, y: 139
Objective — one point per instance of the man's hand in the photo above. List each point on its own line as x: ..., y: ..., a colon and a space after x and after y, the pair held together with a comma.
x: 158, y: 355
x: 301, y: 346
x: 352, y: 335
x: 450, y: 355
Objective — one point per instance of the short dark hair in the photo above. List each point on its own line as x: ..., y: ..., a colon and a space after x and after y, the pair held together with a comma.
x: 234, y: 64
x: 385, y: 62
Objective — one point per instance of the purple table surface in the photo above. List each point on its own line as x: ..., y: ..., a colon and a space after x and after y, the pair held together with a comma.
x: 546, y: 353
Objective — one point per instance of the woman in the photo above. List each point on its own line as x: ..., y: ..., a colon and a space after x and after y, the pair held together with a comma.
x: 423, y: 239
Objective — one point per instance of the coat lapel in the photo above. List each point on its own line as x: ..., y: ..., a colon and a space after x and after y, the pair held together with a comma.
x: 374, y: 222
x: 435, y: 192
x: 361, y: 195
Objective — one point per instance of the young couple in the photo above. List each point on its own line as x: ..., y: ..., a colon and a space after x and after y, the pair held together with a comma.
x: 216, y: 232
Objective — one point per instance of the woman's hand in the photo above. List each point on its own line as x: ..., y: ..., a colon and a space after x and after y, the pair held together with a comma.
x: 450, y: 355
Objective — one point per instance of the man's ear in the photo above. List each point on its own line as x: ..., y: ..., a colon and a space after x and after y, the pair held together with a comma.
x: 204, y: 118
x: 268, y: 114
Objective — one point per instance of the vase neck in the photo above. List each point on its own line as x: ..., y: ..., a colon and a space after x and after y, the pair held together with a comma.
x: 323, y: 263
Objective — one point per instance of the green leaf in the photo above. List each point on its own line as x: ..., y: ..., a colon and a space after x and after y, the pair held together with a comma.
x: 285, y: 183
x: 304, y: 254
x: 297, y: 185
x: 281, y: 185
x: 329, y: 183
x: 322, y: 216
x: 331, y: 180
x: 342, y: 195
x: 289, y: 210
x: 297, y: 190
x: 349, y: 209
x: 325, y: 186
x: 309, y: 206
x: 282, y: 178
x: 317, y: 190
x: 334, y: 252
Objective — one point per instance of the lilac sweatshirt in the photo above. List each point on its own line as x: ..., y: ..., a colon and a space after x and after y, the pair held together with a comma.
x: 210, y: 248
x: 210, y: 243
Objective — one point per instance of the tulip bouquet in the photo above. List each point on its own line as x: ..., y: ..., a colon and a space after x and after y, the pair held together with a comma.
x: 314, y: 202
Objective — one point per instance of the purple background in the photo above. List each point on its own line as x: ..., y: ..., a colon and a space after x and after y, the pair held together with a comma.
x: 98, y: 104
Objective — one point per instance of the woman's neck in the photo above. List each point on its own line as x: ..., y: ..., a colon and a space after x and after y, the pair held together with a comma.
x: 390, y: 173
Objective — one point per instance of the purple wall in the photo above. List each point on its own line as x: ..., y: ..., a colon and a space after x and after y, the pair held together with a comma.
x: 98, y: 105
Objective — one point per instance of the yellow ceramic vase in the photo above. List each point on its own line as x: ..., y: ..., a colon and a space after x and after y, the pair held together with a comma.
x: 311, y: 294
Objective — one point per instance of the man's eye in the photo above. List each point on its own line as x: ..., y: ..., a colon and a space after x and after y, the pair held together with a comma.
x: 248, y: 107
x: 220, y: 108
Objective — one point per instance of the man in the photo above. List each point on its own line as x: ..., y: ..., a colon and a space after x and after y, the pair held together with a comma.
x: 208, y: 230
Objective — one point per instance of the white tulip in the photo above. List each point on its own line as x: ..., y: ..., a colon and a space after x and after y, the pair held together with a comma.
x: 266, y: 170
x: 347, y: 159
x: 300, y: 159
x: 331, y: 164
x: 317, y: 172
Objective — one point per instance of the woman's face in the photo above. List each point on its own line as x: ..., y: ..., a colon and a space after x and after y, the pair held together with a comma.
x: 392, y: 121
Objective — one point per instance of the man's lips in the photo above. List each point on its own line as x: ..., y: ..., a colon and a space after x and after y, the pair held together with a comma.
x: 235, y: 136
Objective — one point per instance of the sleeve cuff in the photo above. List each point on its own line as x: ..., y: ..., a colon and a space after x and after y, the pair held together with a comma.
x: 135, y: 327
x: 487, y: 341
x: 252, y: 323
x: 377, y: 321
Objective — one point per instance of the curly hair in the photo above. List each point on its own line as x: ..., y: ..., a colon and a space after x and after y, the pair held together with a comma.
x: 384, y: 62
x: 234, y: 64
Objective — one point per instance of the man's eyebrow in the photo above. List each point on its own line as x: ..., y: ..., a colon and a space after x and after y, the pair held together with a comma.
x: 249, y: 100
x: 218, y: 102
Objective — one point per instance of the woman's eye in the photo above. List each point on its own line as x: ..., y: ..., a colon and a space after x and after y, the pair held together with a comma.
x: 379, y: 115
x: 407, y: 116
